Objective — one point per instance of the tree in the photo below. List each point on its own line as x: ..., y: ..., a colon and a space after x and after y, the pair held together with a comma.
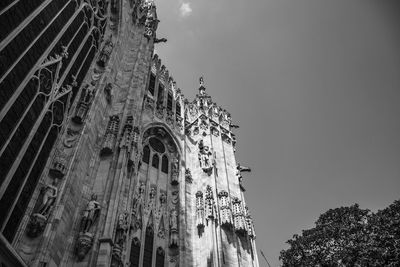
x: 348, y: 236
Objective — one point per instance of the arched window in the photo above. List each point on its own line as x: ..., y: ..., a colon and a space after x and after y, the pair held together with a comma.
x: 164, y: 164
x: 148, y: 247
x: 135, y: 253
x: 152, y: 84
x: 160, y: 97
x: 146, y: 154
x: 169, y: 101
x: 155, y: 161
x: 160, y: 257
x: 178, y: 109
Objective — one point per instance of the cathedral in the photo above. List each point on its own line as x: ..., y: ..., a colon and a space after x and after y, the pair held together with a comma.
x: 103, y: 161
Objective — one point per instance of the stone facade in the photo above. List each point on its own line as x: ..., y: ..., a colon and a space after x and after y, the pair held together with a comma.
x: 139, y: 176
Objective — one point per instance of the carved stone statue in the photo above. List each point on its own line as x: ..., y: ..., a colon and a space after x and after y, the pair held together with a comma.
x: 105, y: 53
x: 174, y: 171
x: 49, y: 197
x: 206, y: 162
x: 173, y: 226
x: 90, y: 215
x: 122, y: 228
x: 188, y: 176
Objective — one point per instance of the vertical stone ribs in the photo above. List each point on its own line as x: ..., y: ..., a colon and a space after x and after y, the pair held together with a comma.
x: 110, y: 136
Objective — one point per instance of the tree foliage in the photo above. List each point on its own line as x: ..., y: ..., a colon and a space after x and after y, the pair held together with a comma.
x: 348, y: 236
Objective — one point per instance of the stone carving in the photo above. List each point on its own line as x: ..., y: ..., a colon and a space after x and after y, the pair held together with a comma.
x: 173, y: 229
x: 199, y: 209
x: 71, y: 138
x: 38, y: 220
x: 193, y: 110
x: 179, y: 123
x: 195, y: 131
x: 188, y: 176
x: 224, y: 209
x: 239, y: 221
x: 36, y: 225
x: 170, y: 118
x: 239, y: 170
x: 150, y: 203
x: 48, y: 199
x: 85, y: 239
x: 122, y: 228
x: 85, y: 100
x: 83, y: 245
x: 59, y: 165
x: 161, y: 228
x: 105, y: 53
x: 126, y: 140
x: 161, y: 207
x: 149, y: 103
x: 205, y: 158
x: 250, y: 224
x: 210, y: 205
x: 175, y: 197
x: 108, y: 92
x: 203, y: 125
x: 160, y: 111
x: 119, y: 241
x: 136, y: 222
x: 90, y: 214
x: 214, y: 131
x: 110, y: 136
x: 174, y: 171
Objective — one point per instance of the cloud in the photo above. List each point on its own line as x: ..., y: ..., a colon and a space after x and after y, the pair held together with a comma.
x: 185, y: 9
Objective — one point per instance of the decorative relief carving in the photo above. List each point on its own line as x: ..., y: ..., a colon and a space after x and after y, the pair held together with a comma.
x: 110, y: 136
x: 250, y: 224
x: 205, y: 158
x: 71, y: 138
x: 179, y: 123
x: 151, y: 200
x: 188, y: 176
x: 149, y: 104
x: 161, y: 228
x: 90, y: 216
x: 105, y: 53
x: 175, y: 171
x: 210, y: 205
x: 173, y: 229
x: 199, y: 209
x: 59, y: 164
x: 160, y: 111
x: 138, y: 200
x: 239, y: 221
x: 170, y: 118
x: 224, y: 209
x: 108, y: 89
x: 38, y: 220
x: 85, y: 100
x: 239, y: 170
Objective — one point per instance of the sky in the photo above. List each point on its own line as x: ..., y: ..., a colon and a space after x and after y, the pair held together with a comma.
x: 315, y: 88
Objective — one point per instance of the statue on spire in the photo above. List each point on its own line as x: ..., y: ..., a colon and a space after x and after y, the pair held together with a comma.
x: 202, y: 89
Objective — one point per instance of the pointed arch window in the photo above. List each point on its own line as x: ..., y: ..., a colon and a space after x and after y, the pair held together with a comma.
x: 135, y: 253
x: 178, y: 109
x: 160, y: 257
x: 169, y: 101
x: 164, y: 164
x: 155, y: 161
x: 146, y: 154
x: 148, y: 247
x: 152, y: 84
x: 160, y: 97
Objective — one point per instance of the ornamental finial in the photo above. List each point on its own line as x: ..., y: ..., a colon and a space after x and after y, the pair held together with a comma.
x: 202, y: 89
